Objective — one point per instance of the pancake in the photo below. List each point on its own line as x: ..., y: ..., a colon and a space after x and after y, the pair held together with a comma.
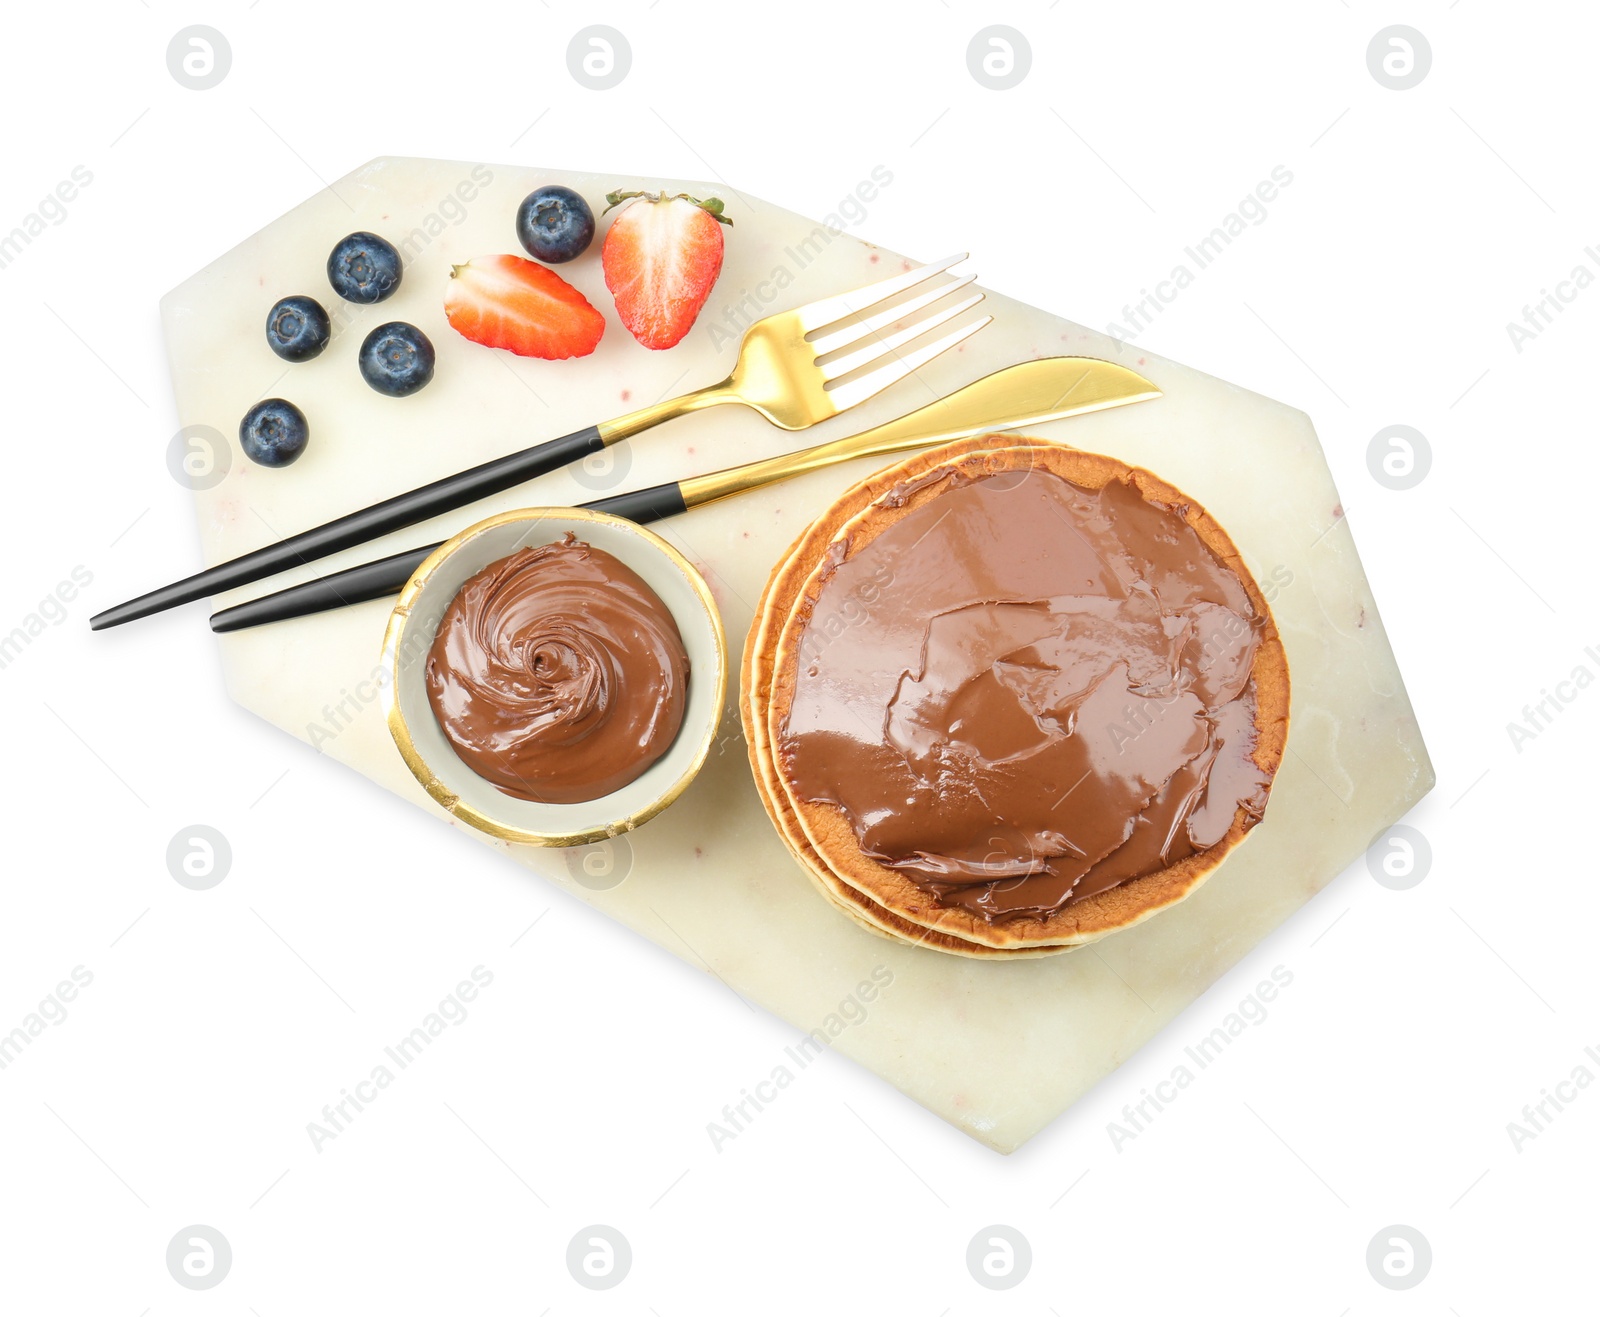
x: 821, y: 835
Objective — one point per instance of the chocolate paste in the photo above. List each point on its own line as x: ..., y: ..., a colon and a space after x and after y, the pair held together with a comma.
x: 1024, y: 692
x: 557, y: 674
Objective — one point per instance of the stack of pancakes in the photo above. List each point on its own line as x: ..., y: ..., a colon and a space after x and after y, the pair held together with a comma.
x: 883, y: 899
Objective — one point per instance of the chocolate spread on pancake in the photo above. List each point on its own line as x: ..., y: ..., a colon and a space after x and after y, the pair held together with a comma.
x: 557, y: 674
x: 1023, y: 692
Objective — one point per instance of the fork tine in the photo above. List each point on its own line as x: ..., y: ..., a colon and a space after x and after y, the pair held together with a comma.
x: 878, y: 346
x: 824, y: 311
x: 848, y: 395
x: 850, y: 330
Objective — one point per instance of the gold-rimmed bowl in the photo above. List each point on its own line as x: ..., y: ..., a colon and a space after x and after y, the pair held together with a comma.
x: 429, y: 754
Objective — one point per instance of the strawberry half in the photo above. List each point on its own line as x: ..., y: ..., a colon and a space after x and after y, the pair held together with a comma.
x: 507, y: 302
x: 661, y: 257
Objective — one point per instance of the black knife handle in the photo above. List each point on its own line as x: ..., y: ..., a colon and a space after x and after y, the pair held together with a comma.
x: 358, y: 527
x: 354, y: 585
x: 642, y: 505
x: 388, y: 576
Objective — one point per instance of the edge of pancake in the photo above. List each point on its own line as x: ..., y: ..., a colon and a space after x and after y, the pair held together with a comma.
x: 787, y: 574
x: 856, y: 905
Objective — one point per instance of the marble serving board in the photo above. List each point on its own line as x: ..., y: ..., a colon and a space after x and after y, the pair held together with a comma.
x: 999, y: 1050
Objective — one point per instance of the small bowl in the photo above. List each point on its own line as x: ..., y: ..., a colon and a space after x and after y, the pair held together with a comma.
x: 430, y: 756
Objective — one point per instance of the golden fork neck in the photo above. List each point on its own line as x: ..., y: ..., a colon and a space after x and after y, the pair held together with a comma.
x: 625, y: 427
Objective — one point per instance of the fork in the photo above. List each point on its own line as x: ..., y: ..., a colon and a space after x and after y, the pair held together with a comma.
x: 794, y: 383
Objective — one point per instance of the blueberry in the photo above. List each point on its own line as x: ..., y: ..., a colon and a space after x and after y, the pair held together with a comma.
x: 555, y: 224
x: 364, y: 268
x: 274, y: 432
x: 297, y: 328
x: 396, y: 359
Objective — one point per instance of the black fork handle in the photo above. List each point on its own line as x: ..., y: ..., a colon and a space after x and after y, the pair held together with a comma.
x: 358, y: 527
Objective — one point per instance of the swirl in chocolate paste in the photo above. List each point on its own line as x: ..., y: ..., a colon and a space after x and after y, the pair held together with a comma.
x: 1024, y: 692
x: 557, y: 674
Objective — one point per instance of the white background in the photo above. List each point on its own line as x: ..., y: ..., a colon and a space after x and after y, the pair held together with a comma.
x: 1377, y: 292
